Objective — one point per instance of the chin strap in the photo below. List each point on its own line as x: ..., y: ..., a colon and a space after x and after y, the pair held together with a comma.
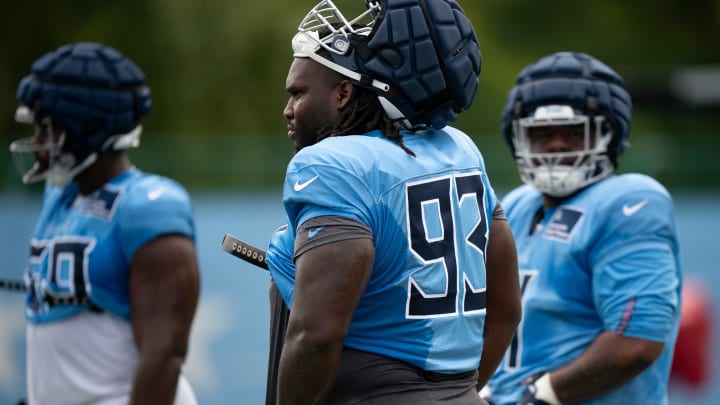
x: 395, y: 115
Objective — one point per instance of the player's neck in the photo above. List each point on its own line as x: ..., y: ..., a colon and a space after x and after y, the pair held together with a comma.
x: 552, y: 202
x: 549, y: 202
x: 107, y: 167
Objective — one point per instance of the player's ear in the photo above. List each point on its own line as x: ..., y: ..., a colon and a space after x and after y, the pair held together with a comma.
x: 344, y: 91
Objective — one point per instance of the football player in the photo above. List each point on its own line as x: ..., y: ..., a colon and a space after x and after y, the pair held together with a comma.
x: 598, y: 252
x: 113, y: 278
x: 397, y: 262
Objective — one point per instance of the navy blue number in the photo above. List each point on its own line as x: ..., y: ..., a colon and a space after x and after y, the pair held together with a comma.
x: 437, y: 191
x: 515, y: 350
x: 442, y: 248
x: 469, y: 186
x: 66, y: 269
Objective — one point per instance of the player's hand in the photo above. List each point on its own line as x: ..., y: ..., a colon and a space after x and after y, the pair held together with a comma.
x: 539, y: 391
x: 486, y: 395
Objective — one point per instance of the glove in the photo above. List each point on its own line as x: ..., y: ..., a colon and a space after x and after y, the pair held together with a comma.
x: 539, y: 391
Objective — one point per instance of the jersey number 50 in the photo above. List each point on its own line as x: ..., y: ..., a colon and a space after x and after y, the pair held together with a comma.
x: 435, y: 212
x: 66, y: 263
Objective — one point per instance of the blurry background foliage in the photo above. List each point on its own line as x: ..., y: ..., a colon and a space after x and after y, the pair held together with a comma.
x: 217, y: 72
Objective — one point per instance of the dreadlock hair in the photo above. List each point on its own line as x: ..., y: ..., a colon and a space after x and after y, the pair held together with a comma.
x: 362, y: 114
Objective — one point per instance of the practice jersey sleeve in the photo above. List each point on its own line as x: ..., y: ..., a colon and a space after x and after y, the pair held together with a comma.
x: 319, y: 184
x: 321, y: 231
x: 154, y: 207
x: 636, y: 273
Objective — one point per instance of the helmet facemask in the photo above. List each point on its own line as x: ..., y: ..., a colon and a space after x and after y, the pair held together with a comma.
x: 326, y: 28
x: 560, y: 174
x: 60, y: 164
x: 327, y: 18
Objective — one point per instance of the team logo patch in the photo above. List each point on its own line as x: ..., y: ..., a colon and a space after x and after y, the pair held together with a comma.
x: 563, y: 224
x: 102, y: 203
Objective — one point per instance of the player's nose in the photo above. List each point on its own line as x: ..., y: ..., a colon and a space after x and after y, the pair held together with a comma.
x: 558, y: 142
x: 288, y: 111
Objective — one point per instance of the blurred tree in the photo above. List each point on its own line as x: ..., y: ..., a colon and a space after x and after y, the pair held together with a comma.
x: 217, y: 71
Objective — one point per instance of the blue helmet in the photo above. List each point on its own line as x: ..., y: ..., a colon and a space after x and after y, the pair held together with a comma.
x: 95, y: 94
x: 421, y: 57
x: 568, y: 88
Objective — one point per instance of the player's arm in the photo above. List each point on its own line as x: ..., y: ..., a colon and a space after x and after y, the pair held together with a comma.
x: 330, y: 279
x: 503, y: 298
x: 610, y: 361
x: 164, y: 290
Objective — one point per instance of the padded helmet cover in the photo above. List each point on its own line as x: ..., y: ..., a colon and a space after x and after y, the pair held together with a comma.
x: 575, y: 79
x: 91, y: 89
x: 429, y: 52
x: 425, y: 50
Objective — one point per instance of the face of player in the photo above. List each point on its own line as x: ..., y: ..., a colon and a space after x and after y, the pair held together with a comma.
x: 315, y: 101
x: 553, y: 139
x: 558, y: 139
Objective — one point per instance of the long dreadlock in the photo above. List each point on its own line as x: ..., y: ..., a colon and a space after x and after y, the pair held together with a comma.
x: 362, y: 114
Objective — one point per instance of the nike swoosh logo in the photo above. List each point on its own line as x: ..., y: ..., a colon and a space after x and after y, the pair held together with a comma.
x: 629, y: 210
x: 300, y: 186
x: 156, y: 193
x: 314, y: 231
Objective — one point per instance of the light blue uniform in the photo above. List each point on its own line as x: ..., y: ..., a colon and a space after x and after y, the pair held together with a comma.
x: 429, y: 216
x: 605, y: 260
x: 82, y: 246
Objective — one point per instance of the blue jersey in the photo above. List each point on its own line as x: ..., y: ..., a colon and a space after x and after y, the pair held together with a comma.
x: 429, y: 216
x: 605, y: 260
x: 82, y: 246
